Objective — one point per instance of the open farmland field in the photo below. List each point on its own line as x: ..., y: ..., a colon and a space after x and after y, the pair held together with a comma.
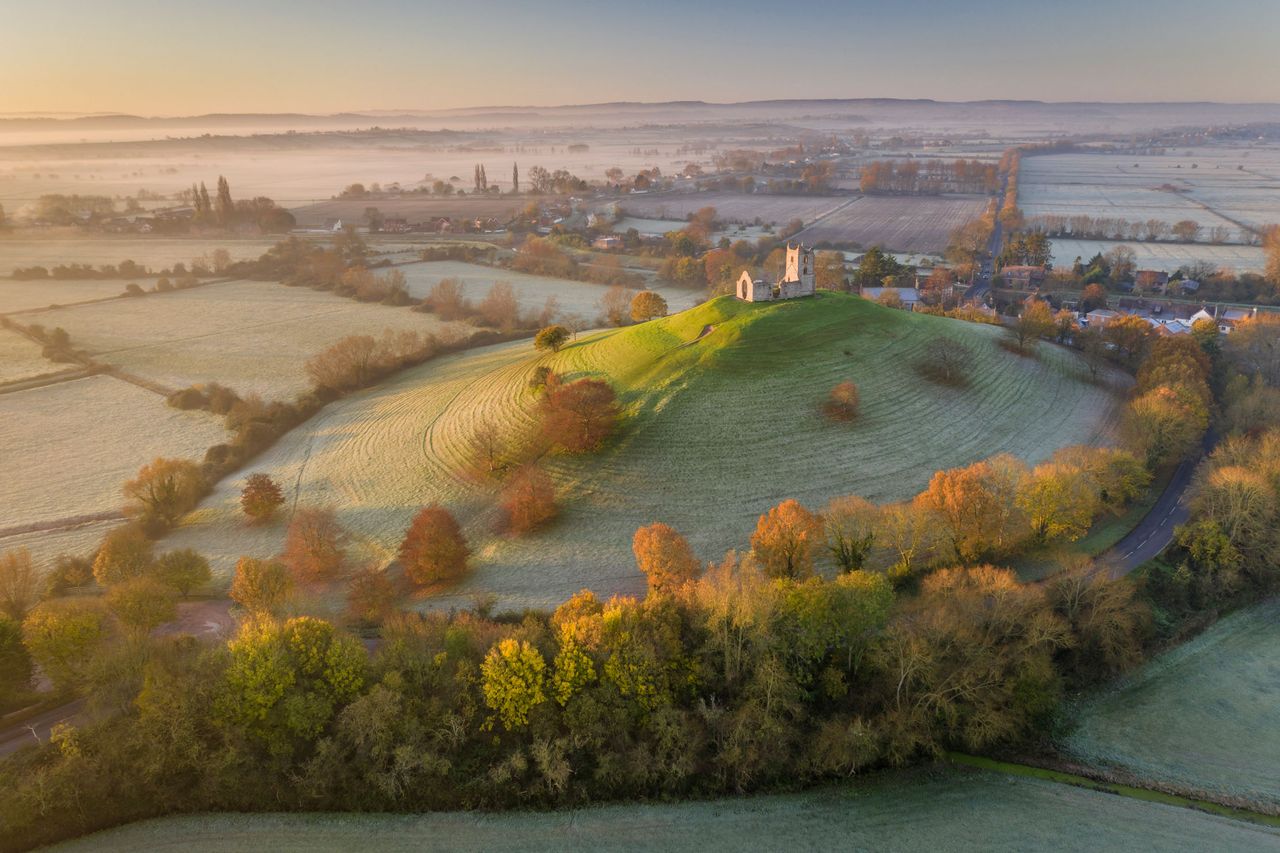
x: 731, y: 207
x: 897, y: 223
x: 20, y: 358
x: 1164, y: 256
x: 943, y: 810
x: 153, y: 252
x: 36, y: 295
x: 1204, y: 716
x: 719, y: 430
x: 532, y: 291
x: 250, y: 335
x: 415, y: 209
x: 69, y: 447
x: 1128, y: 186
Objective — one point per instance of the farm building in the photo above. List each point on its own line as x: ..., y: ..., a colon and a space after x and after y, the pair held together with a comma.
x: 607, y: 241
x: 797, y: 279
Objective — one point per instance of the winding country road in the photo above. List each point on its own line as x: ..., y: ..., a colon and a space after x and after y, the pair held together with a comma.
x: 1154, y: 533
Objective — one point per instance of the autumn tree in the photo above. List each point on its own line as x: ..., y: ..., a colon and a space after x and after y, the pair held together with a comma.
x: 528, y: 500
x: 349, y: 363
x: 1129, y: 334
x: 785, y: 539
x: 164, y: 490
x: 485, y: 447
x: 434, y: 548
x: 850, y: 524
x: 1166, y: 423
x: 499, y: 307
x: 285, y: 682
x: 1254, y: 344
x: 260, y: 586
x: 946, y: 360
x: 664, y: 557
x: 842, y: 402
x: 579, y: 416
x: 647, y: 305
x: 551, y: 338
x: 1036, y: 321
x: 63, y: 636
x: 447, y: 300
x: 1094, y: 296
x: 371, y: 596
x: 513, y: 679
x: 125, y: 553
x: 142, y: 604
x: 615, y: 305
x: 260, y: 498
x: 315, y: 548
x: 1060, y: 501
x: 828, y: 270
x: 15, y: 661
x: 977, y: 506
x: 183, y: 569
x: 19, y: 584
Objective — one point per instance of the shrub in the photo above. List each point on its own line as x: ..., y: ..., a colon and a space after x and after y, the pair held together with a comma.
x: 434, y: 548
x: 184, y: 570
x: 68, y: 572
x: 842, y: 402
x: 551, y: 338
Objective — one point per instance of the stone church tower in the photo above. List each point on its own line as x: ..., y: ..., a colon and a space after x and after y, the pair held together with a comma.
x: 797, y: 279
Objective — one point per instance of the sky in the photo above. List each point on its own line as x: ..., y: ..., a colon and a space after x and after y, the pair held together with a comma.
x: 185, y: 57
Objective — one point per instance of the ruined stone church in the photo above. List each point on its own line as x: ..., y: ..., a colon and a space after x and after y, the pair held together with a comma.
x: 797, y: 279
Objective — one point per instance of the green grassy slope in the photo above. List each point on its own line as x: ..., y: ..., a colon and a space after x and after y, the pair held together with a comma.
x: 719, y: 428
x: 1204, y: 716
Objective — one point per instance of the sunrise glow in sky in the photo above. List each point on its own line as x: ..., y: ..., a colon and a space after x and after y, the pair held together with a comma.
x: 184, y: 57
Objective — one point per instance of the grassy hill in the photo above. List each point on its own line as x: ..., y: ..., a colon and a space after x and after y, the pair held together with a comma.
x: 723, y: 421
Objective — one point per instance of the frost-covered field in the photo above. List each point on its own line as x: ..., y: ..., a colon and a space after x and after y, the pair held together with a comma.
x: 897, y: 223
x: 944, y: 810
x: 730, y: 207
x: 574, y: 297
x: 380, y: 455
x: 152, y: 252
x: 253, y: 336
x: 67, y: 448
x: 1164, y: 256
x: 1236, y: 182
x: 1204, y: 716
x: 31, y: 295
x: 20, y: 358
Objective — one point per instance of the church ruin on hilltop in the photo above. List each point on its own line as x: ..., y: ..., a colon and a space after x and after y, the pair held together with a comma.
x: 797, y: 279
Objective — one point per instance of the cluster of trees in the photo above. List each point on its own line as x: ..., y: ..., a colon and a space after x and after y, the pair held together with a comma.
x: 1084, y: 227
x: 221, y: 211
x: 1028, y: 247
x: 929, y: 176
x: 1010, y: 214
x: 498, y: 309
x: 750, y: 673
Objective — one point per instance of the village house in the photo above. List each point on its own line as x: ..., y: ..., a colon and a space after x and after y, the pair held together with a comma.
x: 607, y: 241
x: 1150, y: 281
x: 1099, y: 317
x: 1023, y: 277
x: 797, y: 279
